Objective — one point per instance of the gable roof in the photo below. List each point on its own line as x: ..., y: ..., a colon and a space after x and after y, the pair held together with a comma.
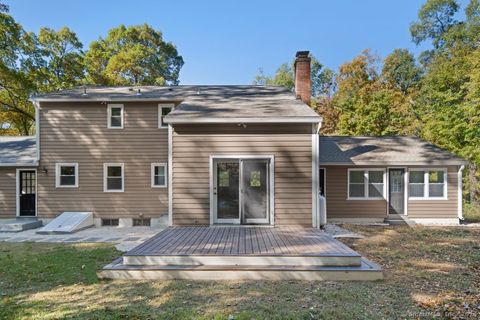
x: 202, y: 104
x: 388, y: 150
x: 18, y: 151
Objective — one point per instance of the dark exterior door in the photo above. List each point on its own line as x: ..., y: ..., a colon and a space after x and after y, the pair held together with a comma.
x: 27, y: 190
x: 255, y: 191
x: 396, y: 191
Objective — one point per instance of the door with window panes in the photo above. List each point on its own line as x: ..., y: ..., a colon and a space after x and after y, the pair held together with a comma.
x: 241, y: 191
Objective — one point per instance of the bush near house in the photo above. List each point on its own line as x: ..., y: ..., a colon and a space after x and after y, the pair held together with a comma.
x: 471, y: 212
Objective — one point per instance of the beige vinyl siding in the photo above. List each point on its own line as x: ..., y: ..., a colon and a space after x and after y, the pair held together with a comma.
x: 438, y: 208
x: 337, y: 193
x: 8, y: 192
x: 291, y: 145
x: 77, y: 132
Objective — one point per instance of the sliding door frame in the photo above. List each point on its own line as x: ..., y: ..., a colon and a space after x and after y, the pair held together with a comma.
x: 239, y: 157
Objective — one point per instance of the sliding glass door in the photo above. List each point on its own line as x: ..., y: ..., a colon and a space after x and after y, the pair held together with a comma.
x: 241, y: 192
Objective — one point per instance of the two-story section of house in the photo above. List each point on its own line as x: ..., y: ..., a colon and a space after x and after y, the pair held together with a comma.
x: 103, y: 154
x: 115, y: 152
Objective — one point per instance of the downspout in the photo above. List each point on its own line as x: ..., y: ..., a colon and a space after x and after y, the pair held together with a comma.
x: 321, y: 201
x: 460, y: 193
x: 170, y: 175
x: 36, y: 104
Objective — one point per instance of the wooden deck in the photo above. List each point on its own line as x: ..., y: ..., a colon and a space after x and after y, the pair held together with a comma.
x: 242, y: 241
x: 241, y: 253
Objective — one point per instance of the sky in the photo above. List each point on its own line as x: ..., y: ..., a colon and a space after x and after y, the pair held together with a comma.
x: 227, y: 42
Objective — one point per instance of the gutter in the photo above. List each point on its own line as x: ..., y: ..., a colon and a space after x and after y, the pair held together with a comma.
x: 292, y: 119
x: 31, y: 164
x: 460, y: 193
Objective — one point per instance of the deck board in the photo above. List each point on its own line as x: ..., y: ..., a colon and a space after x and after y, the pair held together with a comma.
x: 242, y: 241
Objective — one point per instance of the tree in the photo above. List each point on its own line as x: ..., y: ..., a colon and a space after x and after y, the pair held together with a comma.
x: 283, y: 77
x: 448, y: 99
x: 135, y: 55
x: 368, y: 105
x: 436, y: 17
x: 16, y: 112
x: 60, y: 60
x: 400, y: 70
x: 32, y: 64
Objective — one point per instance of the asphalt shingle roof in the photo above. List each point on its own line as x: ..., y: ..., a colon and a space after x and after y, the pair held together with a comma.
x: 207, y: 104
x: 389, y: 150
x: 18, y: 150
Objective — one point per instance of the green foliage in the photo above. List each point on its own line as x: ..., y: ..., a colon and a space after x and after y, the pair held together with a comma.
x: 61, y: 63
x: 135, y: 55
x: 283, y: 77
x: 16, y: 113
x: 436, y: 17
x: 370, y: 102
x: 54, y: 60
x: 401, y: 71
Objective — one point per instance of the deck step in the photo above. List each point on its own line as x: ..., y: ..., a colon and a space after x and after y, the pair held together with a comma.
x: 367, y: 270
x: 351, y: 259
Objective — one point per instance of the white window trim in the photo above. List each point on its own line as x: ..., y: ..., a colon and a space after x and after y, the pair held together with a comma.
x: 105, y: 172
x: 58, y: 171
x: 426, y: 182
x: 152, y: 174
x: 109, y: 115
x: 365, y: 183
x: 162, y: 106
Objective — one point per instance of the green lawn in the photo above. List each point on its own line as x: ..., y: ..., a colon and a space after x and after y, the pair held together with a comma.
x: 429, y: 273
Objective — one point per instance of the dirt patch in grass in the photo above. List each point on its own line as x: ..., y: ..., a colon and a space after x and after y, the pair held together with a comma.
x: 430, y: 273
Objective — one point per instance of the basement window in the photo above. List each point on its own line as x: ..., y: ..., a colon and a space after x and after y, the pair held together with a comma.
x: 141, y: 222
x: 110, y: 222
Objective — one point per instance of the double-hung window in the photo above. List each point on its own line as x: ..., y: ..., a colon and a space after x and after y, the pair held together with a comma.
x: 115, y: 116
x: 159, y: 175
x: 66, y: 175
x: 366, y: 184
x: 113, y: 177
x: 163, y: 110
x: 427, y: 184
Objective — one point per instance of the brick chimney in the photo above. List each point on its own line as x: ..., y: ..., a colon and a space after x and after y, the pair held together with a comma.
x: 303, y: 84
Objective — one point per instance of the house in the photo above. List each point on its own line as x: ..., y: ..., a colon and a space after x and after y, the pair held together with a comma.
x: 208, y: 155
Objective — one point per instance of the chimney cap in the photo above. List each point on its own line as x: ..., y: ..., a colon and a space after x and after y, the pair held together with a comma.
x: 302, y: 54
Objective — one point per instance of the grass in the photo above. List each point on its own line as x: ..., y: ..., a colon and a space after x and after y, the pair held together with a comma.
x: 471, y: 212
x: 430, y: 273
